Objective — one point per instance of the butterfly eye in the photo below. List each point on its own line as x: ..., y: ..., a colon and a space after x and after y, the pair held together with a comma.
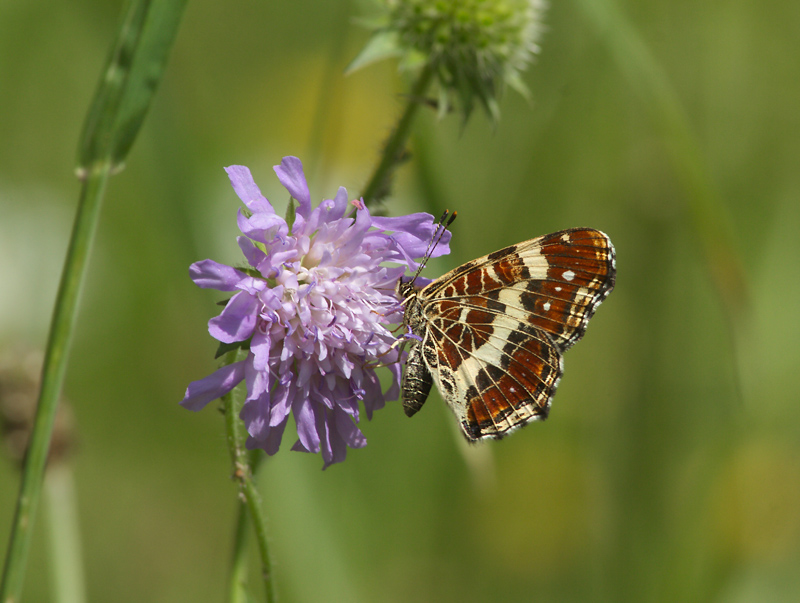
x: 404, y: 288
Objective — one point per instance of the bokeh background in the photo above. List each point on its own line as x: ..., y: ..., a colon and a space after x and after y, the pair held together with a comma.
x: 669, y: 469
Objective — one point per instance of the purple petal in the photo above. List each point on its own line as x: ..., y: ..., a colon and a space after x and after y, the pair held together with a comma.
x: 306, y: 429
x: 331, y: 445
x: 270, y: 442
x: 290, y: 173
x: 416, y: 247
x: 253, y: 254
x: 421, y: 282
x: 414, y: 232
x: 340, y: 432
x: 255, y: 415
x: 253, y: 285
x: 263, y: 227
x: 356, y: 233
x: 281, y: 402
x: 247, y: 190
x: 348, y: 430
x: 258, y: 382
x: 217, y: 384
x: 419, y: 224
x: 336, y: 212
x: 237, y: 320
x: 373, y: 396
x: 282, y: 255
x: 208, y: 274
x: 398, y: 253
x: 260, y: 347
x: 394, y: 389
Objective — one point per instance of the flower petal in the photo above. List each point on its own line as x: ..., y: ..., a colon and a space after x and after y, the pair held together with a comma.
x: 394, y: 389
x: 247, y: 190
x: 355, y: 234
x: 348, y: 430
x: 258, y: 382
x: 237, y: 320
x: 270, y: 441
x: 252, y: 254
x: 208, y: 274
x: 260, y: 347
x: 217, y: 384
x: 282, y: 401
x: 254, y: 414
x: 414, y: 233
x: 290, y: 173
x: 263, y: 227
x: 336, y: 212
x: 306, y: 424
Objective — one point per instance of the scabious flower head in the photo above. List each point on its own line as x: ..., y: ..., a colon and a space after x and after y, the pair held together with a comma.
x: 312, y: 307
x: 473, y: 46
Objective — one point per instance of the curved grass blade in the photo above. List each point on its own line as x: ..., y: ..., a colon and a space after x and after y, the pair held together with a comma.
x: 133, y: 71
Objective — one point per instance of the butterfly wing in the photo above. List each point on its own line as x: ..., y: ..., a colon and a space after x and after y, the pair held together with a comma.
x: 496, y: 326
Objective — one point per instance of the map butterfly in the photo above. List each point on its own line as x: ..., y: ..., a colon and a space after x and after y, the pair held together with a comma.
x: 491, y: 333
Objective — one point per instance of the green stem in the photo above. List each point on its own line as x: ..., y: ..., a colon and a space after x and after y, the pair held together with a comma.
x: 238, y: 580
x: 133, y: 70
x: 64, y: 534
x: 378, y: 186
x: 243, y: 467
x: 55, y: 365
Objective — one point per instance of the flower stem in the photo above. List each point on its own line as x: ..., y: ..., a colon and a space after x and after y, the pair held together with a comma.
x: 380, y: 183
x: 55, y: 366
x: 243, y: 469
x: 238, y: 579
x: 64, y: 534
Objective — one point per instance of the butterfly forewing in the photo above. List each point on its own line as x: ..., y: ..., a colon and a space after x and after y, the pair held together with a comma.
x: 493, y: 329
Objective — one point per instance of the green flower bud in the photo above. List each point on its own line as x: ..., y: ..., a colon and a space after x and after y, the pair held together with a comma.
x: 473, y: 46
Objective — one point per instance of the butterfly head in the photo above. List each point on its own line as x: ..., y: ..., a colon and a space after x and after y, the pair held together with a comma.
x: 406, y: 288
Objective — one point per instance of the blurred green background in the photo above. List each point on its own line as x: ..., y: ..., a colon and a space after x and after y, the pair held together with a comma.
x: 670, y: 467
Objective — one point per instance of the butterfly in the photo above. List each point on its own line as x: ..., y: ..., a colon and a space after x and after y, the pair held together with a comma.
x: 491, y: 333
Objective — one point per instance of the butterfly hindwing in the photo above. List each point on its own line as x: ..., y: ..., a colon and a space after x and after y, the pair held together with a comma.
x: 507, y: 381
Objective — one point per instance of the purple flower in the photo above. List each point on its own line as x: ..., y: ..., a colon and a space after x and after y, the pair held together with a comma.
x: 314, y: 305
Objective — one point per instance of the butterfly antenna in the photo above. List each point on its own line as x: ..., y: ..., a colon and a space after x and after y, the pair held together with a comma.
x: 445, y: 221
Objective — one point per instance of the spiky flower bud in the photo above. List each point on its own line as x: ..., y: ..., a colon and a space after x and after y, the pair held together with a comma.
x: 474, y: 47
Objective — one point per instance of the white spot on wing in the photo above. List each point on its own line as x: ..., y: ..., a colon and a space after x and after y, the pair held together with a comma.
x: 546, y: 306
x: 568, y: 275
